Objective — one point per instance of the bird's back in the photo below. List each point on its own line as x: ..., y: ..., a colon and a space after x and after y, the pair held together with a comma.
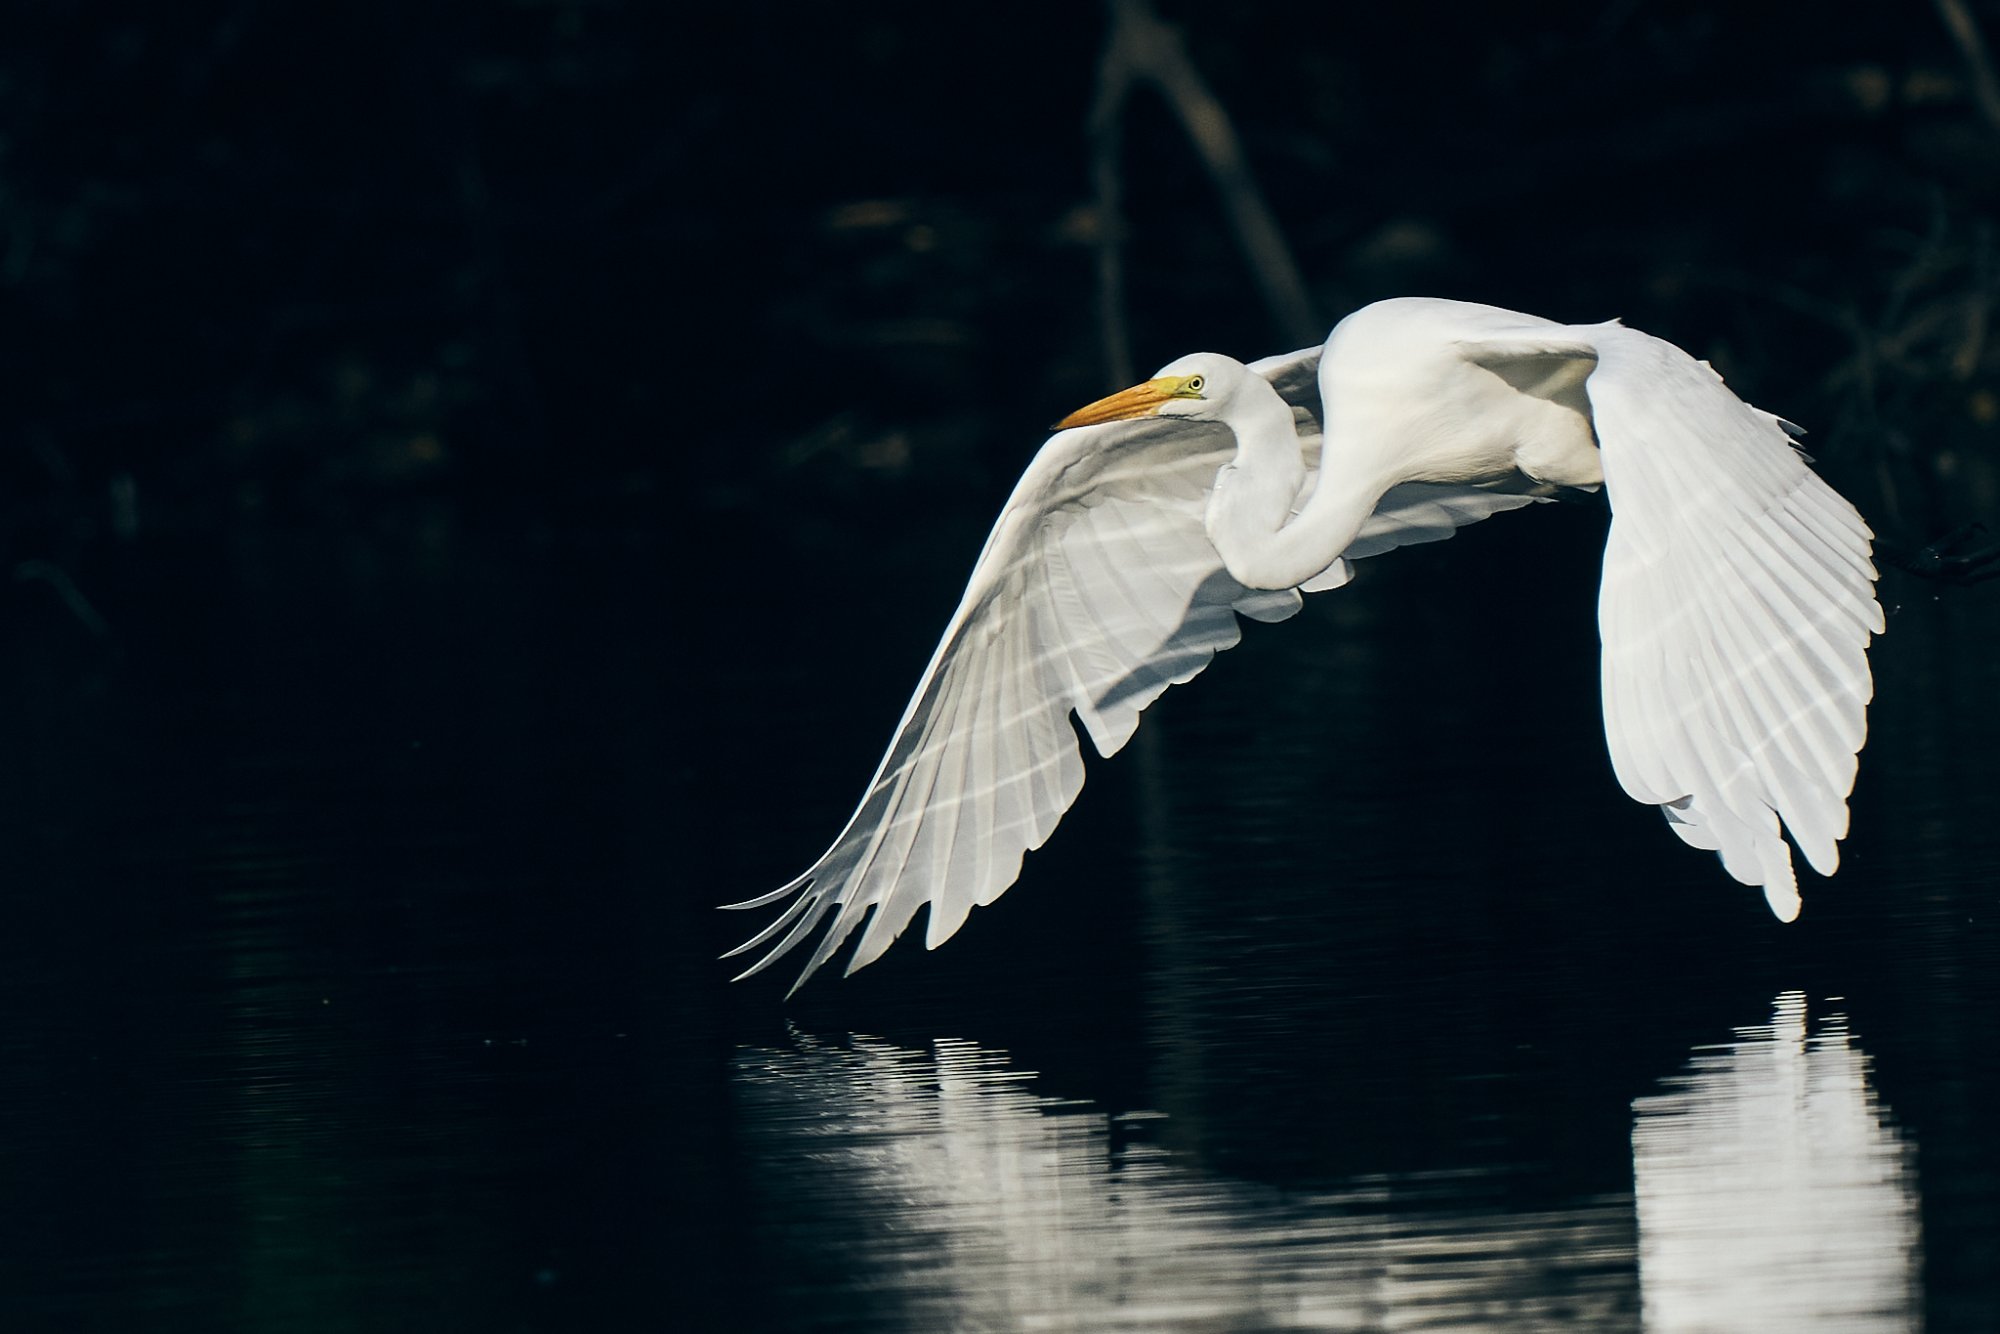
x: 1410, y: 403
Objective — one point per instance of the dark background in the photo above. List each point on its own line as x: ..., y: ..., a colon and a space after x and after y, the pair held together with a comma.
x: 683, y: 268
x: 480, y: 481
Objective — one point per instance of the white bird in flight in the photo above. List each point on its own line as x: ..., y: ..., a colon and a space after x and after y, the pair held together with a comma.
x: 1735, y: 608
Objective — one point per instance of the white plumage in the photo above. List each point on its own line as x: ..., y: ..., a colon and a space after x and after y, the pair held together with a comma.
x: 1735, y: 610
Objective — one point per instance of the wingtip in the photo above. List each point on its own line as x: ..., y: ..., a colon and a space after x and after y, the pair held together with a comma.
x: 764, y: 963
x: 798, y: 908
x: 1784, y: 900
x: 765, y: 900
x: 752, y: 970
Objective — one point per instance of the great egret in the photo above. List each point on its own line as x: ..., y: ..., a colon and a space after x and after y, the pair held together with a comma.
x: 1735, y: 609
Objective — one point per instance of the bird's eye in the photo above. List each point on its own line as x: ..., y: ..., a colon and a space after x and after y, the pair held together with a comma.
x: 1195, y: 383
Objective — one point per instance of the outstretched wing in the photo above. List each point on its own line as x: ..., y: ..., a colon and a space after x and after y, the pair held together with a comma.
x: 1735, y: 612
x: 1097, y: 590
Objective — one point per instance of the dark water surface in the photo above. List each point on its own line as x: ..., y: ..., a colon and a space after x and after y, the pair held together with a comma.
x: 360, y: 970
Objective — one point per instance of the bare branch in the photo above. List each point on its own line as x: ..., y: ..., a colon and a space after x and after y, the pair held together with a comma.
x: 1958, y: 21
x: 1142, y: 48
x: 1107, y: 124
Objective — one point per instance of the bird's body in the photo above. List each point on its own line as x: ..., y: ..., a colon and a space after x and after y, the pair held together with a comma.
x: 1735, y: 609
x: 1403, y: 389
x: 1405, y: 404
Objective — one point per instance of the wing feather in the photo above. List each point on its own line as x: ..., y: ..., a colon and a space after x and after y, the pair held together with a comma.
x: 1096, y: 592
x: 896, y: 856
x: 1735, y: 613
x: 1092, y: 596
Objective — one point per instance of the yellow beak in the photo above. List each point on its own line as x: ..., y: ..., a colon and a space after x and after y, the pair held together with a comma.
x: 1141, y: 400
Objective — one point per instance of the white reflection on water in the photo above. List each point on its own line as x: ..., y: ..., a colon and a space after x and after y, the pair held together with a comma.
x: 948, y: 1194
x: 1773, y: 1191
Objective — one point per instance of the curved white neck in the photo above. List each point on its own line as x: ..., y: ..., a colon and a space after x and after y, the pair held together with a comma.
x: 1250, y: 518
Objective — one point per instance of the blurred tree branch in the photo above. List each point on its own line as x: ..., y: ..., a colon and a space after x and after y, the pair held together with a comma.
x: 1144, y: 50
x: 1964, y: 30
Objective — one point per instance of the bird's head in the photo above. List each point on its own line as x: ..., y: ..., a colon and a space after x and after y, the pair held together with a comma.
x: 1198, y: 387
